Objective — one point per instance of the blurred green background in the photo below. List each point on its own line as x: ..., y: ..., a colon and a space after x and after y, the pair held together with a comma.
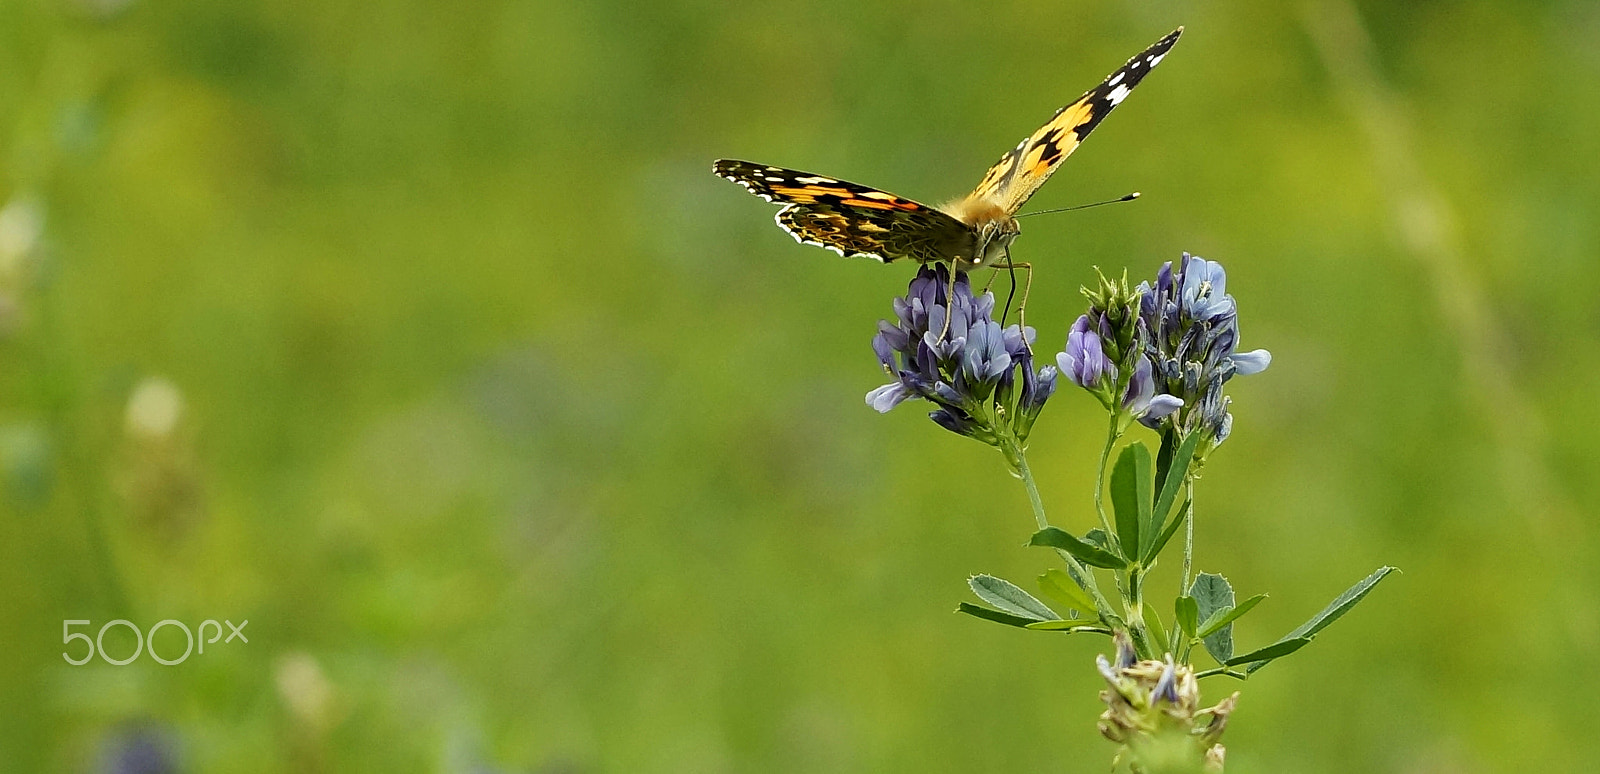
x: 421, y: 336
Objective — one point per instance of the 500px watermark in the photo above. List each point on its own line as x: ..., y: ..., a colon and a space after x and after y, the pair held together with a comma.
x: 96, y: 645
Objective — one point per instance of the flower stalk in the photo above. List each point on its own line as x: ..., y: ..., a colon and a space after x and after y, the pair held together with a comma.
x: 1157, y: 354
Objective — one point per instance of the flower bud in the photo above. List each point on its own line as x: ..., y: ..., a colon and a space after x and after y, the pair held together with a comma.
x: 1153, y: 710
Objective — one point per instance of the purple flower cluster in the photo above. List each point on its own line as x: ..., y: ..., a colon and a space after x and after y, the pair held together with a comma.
x: 1162, y: 350
x: 1193, y: 327
x: 1105, y: 355
x: 1087, y: 364
x: 979, y: 375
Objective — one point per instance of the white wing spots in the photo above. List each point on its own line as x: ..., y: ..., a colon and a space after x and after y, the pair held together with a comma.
x: 1117, y: 95
x: 1155, y: 60
x: 774, y: 179
x: 1115, y: 79
x: 885, y: 196
x: 797, y: 237
x: 750, y: 186
x: 817, y: 180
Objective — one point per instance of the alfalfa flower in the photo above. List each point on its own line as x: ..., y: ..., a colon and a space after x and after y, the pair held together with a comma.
x: 1084, y: 361
x: 1193, y: 327
x: 979, y: 375
x: 1105, y: 354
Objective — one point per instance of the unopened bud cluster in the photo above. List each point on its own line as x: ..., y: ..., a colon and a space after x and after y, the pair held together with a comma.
x: 1153, y: 710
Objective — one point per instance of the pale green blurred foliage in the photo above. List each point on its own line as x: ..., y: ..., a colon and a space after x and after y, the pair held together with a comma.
x: 525, y: 443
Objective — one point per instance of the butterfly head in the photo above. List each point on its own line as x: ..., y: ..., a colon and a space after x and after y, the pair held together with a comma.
x: 994, y: 243
x: 992, y: 228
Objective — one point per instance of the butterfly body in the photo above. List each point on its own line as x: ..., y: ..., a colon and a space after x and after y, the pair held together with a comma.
x: 971, y: 232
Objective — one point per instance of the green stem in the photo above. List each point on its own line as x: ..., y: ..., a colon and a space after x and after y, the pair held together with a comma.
x: 1188, y: 535
x: 1112, y: 434
x: 1133, y: 603
x: 1079, y: 573
x: 1020, y: 460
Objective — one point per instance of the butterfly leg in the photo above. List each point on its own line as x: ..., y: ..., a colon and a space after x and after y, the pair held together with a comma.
x: 949, y: 302
x: 1022, y: 306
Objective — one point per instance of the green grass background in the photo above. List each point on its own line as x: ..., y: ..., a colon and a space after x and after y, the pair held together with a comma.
x: 526, y: 444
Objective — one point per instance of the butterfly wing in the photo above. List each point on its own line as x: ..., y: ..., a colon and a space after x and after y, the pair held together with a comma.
x: 1019, y: 173
x: 852, y: 219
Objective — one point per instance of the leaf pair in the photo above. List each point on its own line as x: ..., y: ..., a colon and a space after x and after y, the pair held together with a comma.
x: 1015, y: 607
x: 1143, y: 500
x: 1083, y: 550
x: 1208, y: 611
x: 1211, y: 600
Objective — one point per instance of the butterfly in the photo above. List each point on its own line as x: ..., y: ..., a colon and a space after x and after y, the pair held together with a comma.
x: 968, y: 233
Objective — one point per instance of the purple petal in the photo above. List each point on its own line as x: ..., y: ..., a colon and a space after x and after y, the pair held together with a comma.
x: 1252, y: 362
x: 1068, y: 366
x: 885, y: 352
x: 1166, y: 686
x: 888, y: 396
x: 1141, y: 387
x: 1162, y: 405
x: 959, y: 424
x: 1106, y: 671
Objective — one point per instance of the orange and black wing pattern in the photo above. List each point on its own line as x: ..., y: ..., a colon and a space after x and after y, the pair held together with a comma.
x: 1019, y: 173
x: 847, y: 218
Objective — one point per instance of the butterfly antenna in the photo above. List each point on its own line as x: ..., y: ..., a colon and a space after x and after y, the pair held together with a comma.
x: 1128, y: 198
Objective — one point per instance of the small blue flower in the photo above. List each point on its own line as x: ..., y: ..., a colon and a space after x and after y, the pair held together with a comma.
x: 984, y: 358
x: 1253, y: 362
x: 1105, y: 351
x: 1037, y: 388
x: 1205, y: 285
x: 1141, y: 400
x: 970, y: 372
x: 888, y: 396
x: 1084, y: 361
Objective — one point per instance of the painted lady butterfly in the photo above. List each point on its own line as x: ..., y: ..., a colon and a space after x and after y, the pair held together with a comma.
x: 974, y: 231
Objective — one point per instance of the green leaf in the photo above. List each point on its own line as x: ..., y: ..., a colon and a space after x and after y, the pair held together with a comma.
x: 1098, y: 537
x: 1166, y: 534
x: 1010, y: 599
x: 1158, y: 631
x: 1130, y: 496
x: 1226, y: 616
x: 1333, y: 611
x: 1080, y: 624
x: 1188, y: 614
x: 1222, y: 671
x: 1060, y: 587
x: 1340, y: 606
x: 994, y: 615
x: 1277, y: 649
x: 1164, y: 456
x: 1086, y: 552
x: 1169, y: 492
x: 1212, y: 593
